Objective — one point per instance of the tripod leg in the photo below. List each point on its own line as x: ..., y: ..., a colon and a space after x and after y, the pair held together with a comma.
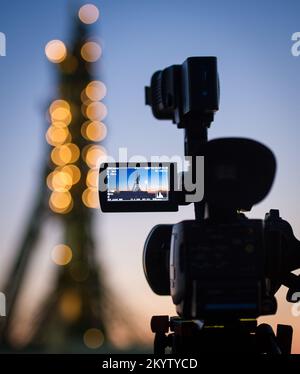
x: 284, y: 335
x: 160, y: 326
x: 266, y: 340
x: 160, y: 343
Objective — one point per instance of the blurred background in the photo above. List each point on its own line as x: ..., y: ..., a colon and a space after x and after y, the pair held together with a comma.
x: 72, y: 90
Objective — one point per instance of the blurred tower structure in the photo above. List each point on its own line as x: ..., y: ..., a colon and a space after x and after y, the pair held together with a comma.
x: 74, y: 311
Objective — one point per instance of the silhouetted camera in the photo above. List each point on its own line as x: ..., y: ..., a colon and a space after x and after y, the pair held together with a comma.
x: 222, y: 266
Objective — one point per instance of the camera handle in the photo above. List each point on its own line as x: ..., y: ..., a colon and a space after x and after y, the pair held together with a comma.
x: 194, y: 143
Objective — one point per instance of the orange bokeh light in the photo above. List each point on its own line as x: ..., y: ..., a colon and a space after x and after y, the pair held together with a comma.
x: 59, y: 104
x: 59, y: 180
x: 61, y: 254
x: 61, y: 202
x: 65, y: 154
x: 90, y: 198
x: 74, y: 173
x: 56, y: 136
x: 93, y: 338
x: 84, y: 98
x: 94, y: 155
x: 59, y: 124
x: 95, y: 131
x: 88, y: 14
x: 91, y: 51
x: 56, y: 51
x: 96, y: 90
x: 92, y: 178
x: 60, y: 112
x: 96, y: 111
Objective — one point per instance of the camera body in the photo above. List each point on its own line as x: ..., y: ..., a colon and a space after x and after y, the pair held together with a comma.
x: 217, y: 270
x: 213, y: 271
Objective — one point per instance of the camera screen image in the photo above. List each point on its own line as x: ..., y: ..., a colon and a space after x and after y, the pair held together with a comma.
x: 141, y: 183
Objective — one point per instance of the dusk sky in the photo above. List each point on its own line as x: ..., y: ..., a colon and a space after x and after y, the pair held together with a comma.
x: 260, y: 96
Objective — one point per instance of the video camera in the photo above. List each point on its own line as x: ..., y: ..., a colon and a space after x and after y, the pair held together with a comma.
x: 222, y: 268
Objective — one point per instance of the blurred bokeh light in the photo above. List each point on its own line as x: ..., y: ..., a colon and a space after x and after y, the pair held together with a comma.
x: 93, y: 338
x: 61, y: 254
x: 56, y: 51
x: 96, y: 90
x: 88, y: 13
x: 91, y: 51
